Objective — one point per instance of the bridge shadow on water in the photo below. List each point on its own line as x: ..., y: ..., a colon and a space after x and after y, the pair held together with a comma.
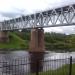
x: 35, y: 60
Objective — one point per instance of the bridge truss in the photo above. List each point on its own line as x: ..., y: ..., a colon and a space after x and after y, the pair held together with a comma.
x: 64, y: 16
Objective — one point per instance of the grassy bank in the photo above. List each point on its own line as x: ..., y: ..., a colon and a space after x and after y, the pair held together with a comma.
x: 15, y: 43
x: 60, y: 71
x: 53, y: 41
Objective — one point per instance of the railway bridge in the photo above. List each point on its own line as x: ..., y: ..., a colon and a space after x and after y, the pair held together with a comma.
x: 62, y: 16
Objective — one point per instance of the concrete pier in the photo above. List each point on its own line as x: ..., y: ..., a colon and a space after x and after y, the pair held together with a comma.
x: 4, y: 37
x: 37, y: 49
x: 37, y: 40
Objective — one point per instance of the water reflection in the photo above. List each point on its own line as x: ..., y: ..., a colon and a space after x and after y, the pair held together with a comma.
x: 28, y: 61
x: 16, y: 63
x: 35, y: 61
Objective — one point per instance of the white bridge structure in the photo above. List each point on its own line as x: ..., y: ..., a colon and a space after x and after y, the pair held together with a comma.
x: 63, y: 16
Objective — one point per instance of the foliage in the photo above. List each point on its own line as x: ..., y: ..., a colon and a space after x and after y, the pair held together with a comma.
x: 59, y: 41
x: 14, y: 43
x: 53, y: 41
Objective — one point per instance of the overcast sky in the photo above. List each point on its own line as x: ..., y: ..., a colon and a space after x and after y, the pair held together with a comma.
x: 14, y: 8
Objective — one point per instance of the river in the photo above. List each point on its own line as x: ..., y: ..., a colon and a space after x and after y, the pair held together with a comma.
x: 52, y: 60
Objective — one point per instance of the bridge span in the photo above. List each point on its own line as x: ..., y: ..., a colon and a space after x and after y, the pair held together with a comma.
x: 63, y: 16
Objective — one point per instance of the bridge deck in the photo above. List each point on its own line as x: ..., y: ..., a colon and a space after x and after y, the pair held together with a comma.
x: 63, y: 16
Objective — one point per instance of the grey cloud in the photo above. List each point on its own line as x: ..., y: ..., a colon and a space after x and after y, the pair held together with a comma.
x: 69, y: 29
x: 9, y: 14
x: 14, y: 13
x: 17, y: 12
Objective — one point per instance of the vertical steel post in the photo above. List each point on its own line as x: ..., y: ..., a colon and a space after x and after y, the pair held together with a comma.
x: 70, y: 67
x: 37, y: 68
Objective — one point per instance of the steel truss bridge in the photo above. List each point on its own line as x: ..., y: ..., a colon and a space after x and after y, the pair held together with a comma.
x: 64, y: 16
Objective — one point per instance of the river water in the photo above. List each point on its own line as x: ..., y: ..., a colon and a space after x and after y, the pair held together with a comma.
x: 52, y: 60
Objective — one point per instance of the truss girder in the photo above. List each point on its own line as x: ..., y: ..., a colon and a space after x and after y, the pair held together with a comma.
x: 63, y: 16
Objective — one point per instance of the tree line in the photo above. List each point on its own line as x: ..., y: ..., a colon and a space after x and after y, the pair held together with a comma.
x: 53, y: 41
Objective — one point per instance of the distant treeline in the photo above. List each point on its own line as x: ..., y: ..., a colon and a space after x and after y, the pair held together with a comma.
x: 53, y: 41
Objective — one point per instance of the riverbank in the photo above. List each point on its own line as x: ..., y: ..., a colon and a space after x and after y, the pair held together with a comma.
x: 20, y: 41
x: 60, y: 71
x: 15, y: 43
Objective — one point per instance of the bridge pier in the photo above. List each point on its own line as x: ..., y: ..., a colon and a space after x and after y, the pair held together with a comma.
x: 37, y: 40
x: 4, y: 37
x: 37, y: 49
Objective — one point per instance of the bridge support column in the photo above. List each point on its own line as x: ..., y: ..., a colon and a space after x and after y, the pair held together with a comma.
x: 37, y: 49
x: 37, y: 40
x: 4, y: 37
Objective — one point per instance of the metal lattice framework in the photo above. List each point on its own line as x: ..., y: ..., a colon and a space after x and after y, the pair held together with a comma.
x: 63, y: 16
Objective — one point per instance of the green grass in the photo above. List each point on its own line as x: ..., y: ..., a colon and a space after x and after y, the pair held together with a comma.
x: 60, y: 71
x: 15, y: 43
